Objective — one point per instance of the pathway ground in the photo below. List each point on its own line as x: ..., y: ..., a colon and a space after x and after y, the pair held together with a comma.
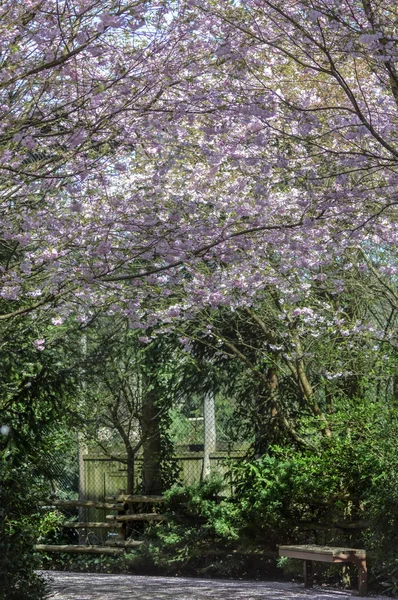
x: 92, y: 586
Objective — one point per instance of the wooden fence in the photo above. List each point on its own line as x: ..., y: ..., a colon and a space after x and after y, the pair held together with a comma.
x: 120, y: 521
x: 102, y: 476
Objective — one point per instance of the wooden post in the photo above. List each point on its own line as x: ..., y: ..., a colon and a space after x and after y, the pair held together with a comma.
x: 308, y: 574
x: 209, y: 419
x: 122, y: 533
x: 82, y: 449
x: 363, y: 578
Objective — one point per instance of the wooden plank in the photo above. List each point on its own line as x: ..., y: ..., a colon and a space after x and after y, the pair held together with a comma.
x: 362, y: 578
x: 90, y: 525
x: 348, y: 557
x: 307, y: 555
x: 80, y: 549
x: 82, y: 504
x: 130, y: 499
x: 136, y: 517
x: 325, y: 550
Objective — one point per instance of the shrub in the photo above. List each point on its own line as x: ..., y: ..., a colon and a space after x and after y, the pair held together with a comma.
x: 19, y: 525
x: 200, y: 522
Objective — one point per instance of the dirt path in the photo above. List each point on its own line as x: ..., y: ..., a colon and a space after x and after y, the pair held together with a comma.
x: 91, y: 586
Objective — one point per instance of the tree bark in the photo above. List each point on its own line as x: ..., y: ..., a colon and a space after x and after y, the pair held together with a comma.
x: 130, y: 471
x: 151, y: 444
x: 268, y: 416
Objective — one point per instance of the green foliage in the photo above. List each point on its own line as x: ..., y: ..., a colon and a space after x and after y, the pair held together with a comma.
x: 199, y: 523
x: 201, y: 503
x: 350, y: 477
x: 324, y: 483
x: 38, y: 390
x: 49, y: 524
x: 87, y: 563
x: 19, y: 523
x: 381, y: 500
x: 388, y: 576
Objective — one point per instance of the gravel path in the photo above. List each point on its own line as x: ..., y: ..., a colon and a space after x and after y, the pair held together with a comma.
x: 92, y: 586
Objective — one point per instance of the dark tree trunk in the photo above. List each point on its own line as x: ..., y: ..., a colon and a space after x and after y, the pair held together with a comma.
x: 130, y: 471
x: 151, y: 444
x: 266, y: 424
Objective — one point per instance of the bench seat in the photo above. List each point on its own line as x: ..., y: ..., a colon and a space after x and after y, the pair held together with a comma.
x: 328, y: 554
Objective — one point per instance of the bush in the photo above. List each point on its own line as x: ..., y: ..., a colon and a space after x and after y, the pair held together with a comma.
x: 352, y: 476
x: 200, y: 523
x: 19, y: 525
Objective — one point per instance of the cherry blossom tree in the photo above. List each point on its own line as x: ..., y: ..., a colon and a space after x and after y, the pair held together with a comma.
x: 77, y: 80
x: 155, y: 152
x: 258, y: 159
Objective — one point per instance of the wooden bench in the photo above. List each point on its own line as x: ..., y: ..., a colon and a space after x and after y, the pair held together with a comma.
x: 328, y: 554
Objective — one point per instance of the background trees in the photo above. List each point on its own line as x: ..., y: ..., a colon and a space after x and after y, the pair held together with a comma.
x: 126, y: 401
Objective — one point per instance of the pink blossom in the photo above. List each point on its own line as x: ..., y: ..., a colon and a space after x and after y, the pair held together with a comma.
x: 57, y: 320
x: 39, y: 344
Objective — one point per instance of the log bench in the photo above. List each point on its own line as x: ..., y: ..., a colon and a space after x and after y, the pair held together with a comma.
x: 328, y: 554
